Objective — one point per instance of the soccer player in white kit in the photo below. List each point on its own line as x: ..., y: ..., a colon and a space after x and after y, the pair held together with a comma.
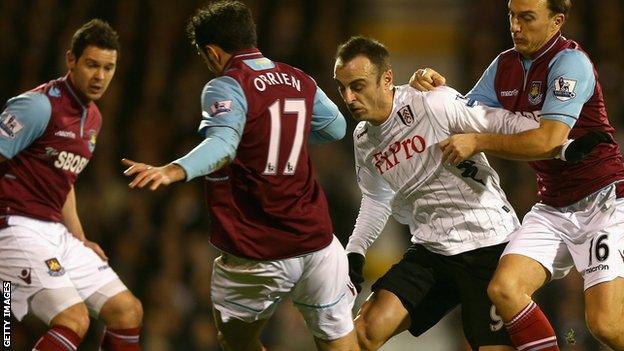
x: 459, y: 217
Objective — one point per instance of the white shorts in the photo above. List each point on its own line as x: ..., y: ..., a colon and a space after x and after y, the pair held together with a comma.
x: 588, y: 234
x: 318, y: 284
x: 40, y: 255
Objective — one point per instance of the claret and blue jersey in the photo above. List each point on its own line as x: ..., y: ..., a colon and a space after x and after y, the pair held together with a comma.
x: 257, y: 119
x: 559, y: 83
x: 48, y: 136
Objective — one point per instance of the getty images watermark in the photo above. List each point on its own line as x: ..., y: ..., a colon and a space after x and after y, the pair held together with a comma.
x: 6, y: 314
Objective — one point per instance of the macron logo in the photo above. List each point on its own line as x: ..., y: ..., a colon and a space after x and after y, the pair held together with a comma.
x: 509, y: 93
x: 66, y: 134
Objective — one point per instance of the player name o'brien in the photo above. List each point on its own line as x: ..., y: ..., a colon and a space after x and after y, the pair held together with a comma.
x: 261, y: 81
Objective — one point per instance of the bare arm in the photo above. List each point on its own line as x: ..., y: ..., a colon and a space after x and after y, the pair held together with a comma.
x: 2, y: 159
x: 536, y: 144
x: 69, y: 217
x: 153, y: 176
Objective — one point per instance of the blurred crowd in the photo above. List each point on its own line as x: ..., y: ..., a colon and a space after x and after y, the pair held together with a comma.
x: 158, y: 242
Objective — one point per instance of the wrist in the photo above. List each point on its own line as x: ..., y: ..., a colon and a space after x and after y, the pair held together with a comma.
x: 479, y: 141
x: 355, y: 259
x: 175, y: 172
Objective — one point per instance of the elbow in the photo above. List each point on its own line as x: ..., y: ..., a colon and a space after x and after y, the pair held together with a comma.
x: 339, y: 129
x: 340, y: 135
x: 231, y: 154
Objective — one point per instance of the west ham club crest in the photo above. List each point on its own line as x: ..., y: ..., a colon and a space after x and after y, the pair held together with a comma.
x: 535, y: 92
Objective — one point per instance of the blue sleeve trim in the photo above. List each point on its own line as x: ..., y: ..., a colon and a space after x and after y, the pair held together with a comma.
x: 568, y: 120
x: 24, y: 119
x: 558, y: 114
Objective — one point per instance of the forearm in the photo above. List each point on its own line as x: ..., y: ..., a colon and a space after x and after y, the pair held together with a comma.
x: 217, y: 150
x: 368, y: 225
x: 529, y: 145
x: 69, y: 216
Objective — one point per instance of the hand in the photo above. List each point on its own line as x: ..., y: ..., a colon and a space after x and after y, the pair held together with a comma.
x: 157, y: 176
x: 458, y: 148
x: 356, y: 267
x: 583, y: 146
x: 426, y: 79
x: 96, y: 248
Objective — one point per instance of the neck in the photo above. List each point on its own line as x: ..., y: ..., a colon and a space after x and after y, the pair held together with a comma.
x: 533, y: 55
x: 223, y: 62
x: 82, y: 97
x: 385, y: 109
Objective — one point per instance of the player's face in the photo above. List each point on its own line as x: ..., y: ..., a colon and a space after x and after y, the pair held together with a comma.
x: 532, y: 24
x: 364, y: 93
x: 92, y: 71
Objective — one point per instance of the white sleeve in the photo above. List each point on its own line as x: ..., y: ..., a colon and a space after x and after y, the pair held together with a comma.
x: 466, y: 115
x: 374, y: 208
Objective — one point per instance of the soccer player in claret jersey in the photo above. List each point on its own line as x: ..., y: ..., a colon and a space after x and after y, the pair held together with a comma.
x: 459, y: 217
x: 47, y: 136
x: 579, y: 220
x: 269, y: 215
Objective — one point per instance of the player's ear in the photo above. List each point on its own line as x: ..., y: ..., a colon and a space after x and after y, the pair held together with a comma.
x: 559, y: 20
x: 211, y: 53
x: 387, y: 78
x: 70, y: 60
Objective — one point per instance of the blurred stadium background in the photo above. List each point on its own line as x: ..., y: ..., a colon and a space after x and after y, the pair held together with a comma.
x: 158, y: 242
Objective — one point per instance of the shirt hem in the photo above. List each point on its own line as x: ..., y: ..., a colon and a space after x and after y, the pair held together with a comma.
x: 466, y: 246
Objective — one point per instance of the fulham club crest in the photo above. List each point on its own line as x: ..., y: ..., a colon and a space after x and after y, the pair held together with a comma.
x: 535, y: 92
x: 406, y: 115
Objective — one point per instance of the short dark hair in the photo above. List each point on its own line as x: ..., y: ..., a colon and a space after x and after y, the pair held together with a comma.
x: 375, y: 51
x: 97, y: 33
x: 560, y: 6
x: 227, y: 24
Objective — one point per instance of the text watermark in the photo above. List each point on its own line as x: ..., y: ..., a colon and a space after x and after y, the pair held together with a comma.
x: 6, y: 314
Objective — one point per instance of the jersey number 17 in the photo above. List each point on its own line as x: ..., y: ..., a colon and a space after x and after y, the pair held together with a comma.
x: 295, y: 108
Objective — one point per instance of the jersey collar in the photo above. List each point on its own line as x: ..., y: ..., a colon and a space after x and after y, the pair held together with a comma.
x: 74, y: 93
x: 242, y: 55
x: 546, y: 47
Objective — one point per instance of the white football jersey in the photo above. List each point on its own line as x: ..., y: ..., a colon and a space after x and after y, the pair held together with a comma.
x: 449, y: 209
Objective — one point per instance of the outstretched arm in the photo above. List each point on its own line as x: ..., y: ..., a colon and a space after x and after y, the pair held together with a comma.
x: 217, y: 150
x: 223, y: 120
x: 150, y: 175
